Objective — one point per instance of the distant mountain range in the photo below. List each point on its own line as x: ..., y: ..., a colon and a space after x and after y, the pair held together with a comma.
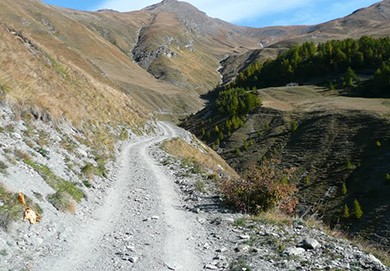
x: 164, y: 55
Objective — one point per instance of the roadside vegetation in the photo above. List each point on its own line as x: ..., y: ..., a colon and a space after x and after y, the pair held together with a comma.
x: 10, y: 208
x: 263, y: 188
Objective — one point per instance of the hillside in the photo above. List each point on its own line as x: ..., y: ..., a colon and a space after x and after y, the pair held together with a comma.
x: 114, y: 188
x: 329, y: 140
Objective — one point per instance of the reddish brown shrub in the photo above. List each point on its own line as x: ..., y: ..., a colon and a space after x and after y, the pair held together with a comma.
x: 264, y: 187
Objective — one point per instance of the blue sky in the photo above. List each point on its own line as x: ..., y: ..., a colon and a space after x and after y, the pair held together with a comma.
x: 253, y: 13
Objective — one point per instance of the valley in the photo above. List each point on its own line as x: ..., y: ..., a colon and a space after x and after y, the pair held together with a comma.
x: 88, y: 102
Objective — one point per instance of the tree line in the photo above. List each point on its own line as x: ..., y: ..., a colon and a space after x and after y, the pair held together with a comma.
x: 333, y: 62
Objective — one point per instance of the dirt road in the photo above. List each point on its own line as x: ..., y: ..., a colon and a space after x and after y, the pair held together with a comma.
x: 139, y: 226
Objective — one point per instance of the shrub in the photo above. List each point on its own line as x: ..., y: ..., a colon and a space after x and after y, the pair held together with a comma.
x: 261, y: 190
x: 200, y: 186
x: 124, y: 134
x: 346, y: 211
x: 62, y: 201
x: 357, y: 210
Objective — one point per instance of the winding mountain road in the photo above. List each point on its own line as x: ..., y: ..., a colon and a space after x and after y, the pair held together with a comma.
x: 140, y: 225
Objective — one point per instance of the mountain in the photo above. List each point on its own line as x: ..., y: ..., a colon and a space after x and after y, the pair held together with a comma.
x: 77, y: 87
x: 167, y: 54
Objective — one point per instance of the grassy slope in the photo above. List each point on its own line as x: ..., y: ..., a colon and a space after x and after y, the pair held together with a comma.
x: 334, y: 142
x: 63, y: 34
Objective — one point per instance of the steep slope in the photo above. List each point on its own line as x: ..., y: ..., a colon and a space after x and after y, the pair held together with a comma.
x: 56, y: 31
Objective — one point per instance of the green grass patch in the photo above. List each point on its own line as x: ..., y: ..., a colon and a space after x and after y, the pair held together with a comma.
x: 240, y: 222
x: 56, y: 182
x: 11, y: 210
x: 124, y: 135
x: 200, y: 186
x: 99, y: 170
x: 62, y: 201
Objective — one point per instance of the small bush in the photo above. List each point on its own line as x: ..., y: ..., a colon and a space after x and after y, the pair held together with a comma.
x: 42, y: 151
x: 240, y: 222
x: 124, y: 135
x: 88, y: 170
x: 378, y: 144
x: 261, y: 190
x: 388, y: 178
x: 71, y: 189
x: 200, y: 186
x: 63, y: 202
x: 240, y: 265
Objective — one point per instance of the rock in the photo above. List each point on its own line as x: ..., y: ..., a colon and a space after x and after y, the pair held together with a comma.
x: 219, y: 258
x: 374, y: 260
x: 309, y: 243
x: 372, y: 263
x: 221, y: 250
x: 210, y: 267
x: 206, y: 246
x: 133, y: 259
x: 131, y: 248
x: 201, y: 220
x: 293, y: 251
x: 245, y: 237
x: 229, y: 220
x: 1, y: 203
x: 242, y: 248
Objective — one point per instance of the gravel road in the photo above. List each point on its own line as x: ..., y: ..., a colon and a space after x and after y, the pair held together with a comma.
x: 139, y: 225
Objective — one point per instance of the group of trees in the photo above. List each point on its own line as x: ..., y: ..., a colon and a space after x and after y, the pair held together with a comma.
x: 333, y: 59
x: 231, y: 106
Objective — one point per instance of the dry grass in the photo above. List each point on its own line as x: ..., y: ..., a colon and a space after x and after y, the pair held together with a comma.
x: 57, y: 89
x: 312, y: 98
x: 200, y: 154
x: 274, y: 217
x: 62, y: 85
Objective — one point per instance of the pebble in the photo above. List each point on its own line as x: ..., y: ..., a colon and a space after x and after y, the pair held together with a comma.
x: 309, y: 243
x: 294, y: 251
x: 245, y: 237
